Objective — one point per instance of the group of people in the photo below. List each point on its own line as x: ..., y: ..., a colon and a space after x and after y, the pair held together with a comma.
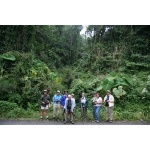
x: 66, y: 104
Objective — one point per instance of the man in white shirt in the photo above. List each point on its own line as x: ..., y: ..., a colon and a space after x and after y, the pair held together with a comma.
x: 109, y: 104
x: 69, y: 109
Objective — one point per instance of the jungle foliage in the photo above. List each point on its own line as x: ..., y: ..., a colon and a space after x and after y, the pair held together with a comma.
x: 114, y: 57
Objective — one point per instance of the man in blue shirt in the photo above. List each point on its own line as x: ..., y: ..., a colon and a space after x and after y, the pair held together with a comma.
x: 56, y: 105
x: 62, y: 103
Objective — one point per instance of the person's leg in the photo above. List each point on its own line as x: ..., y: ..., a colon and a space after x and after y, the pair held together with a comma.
x: 42, y: 112
x: 66, y: 115
x: 94, y: 113
x: 107, y: 113
x: 81, y: 112
x: 97, y: 113
x: 85, y: 113
x: 71, y: 115
x: 63, y: 114
x: 96, y: 118
x: 111, y: 113
x: 46, y: 111
x: 54, y: 111
x: 58, y: 110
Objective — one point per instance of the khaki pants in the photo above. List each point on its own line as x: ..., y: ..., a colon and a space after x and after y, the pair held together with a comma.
x: 56, y: 110
x: 109, y: 113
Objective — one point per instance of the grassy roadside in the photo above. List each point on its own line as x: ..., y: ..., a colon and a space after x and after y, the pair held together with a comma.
x: 21, y: 114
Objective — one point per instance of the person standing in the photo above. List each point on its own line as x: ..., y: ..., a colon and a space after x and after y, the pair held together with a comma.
x: 44, y: 101
x: 97, y: 107
x: 83, y: 105
x: 93, y: 103
x: 109, y: 104
x: 56, y: 105
x: 69, y: 109
x: 74, y: 101
x: 62, y: 103
x: 74, y: 104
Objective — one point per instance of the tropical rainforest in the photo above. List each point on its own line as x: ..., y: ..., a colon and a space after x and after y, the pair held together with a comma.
x: 59, y: 57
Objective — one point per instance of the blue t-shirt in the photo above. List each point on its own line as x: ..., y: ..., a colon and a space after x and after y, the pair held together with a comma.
x: 62, y: 100
x: 56, y: 98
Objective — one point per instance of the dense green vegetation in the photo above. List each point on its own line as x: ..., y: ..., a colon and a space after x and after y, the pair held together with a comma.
x: 33, y: 58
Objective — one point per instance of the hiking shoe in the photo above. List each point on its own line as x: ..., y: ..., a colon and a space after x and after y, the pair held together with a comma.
x: 107, y: 120
x: 110, y: 121
x: 72, y: 122
x: 97, y: 121
x: 65, y: 122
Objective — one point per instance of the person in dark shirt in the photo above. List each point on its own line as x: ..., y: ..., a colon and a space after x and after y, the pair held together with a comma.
x: 62, y: 103
x: 44, y: 102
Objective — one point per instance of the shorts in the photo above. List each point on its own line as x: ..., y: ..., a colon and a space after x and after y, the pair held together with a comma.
x: 68, y: 111
x: 45, y: 108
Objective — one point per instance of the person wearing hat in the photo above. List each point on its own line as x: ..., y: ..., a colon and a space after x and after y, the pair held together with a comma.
x: 62, y: 103
x: 56, y: 105
x: 44, y: 101
x: 109, y: 104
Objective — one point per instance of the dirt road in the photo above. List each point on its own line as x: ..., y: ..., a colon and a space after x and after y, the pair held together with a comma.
x: 47, y: 122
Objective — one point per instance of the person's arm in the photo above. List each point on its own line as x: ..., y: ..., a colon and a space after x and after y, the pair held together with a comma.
x: 65, y: 106
x: 87, y: 103
x: 61, y: 100
x: 105, y: 98
x: 111, y: 99
x: 41, y: 100
x: 74, y: 103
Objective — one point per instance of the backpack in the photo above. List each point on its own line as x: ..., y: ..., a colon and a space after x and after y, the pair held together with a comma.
x: 69, y: 104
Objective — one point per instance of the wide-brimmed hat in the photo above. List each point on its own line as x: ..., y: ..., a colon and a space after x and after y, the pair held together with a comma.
x: 108, y: 91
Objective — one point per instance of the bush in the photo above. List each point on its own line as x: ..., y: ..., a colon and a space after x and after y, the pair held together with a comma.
x: 5, y: 107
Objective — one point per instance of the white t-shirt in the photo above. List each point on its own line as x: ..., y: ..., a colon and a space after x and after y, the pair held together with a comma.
x: 83, y: 100
x: 99, y: 100
x: 73, y: 102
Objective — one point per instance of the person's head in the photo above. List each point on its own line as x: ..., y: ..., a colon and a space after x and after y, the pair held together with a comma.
x: 83, y: 94
x: 69, y: 97
x: 65, y: 92
x: 98, y: 94
x: 45, y: 92
x: 108, y: 92
x: 58, y: 92
x: 72, y: 95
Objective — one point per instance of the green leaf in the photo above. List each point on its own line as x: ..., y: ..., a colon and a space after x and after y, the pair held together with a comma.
x: 8, y: 56
x: 116, y: 92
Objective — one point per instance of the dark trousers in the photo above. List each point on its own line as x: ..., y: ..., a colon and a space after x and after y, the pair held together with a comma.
x: 63, y: 114
x: 83, y: 112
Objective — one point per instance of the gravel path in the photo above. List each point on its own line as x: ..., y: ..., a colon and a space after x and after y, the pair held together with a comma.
x: 46, y: 122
